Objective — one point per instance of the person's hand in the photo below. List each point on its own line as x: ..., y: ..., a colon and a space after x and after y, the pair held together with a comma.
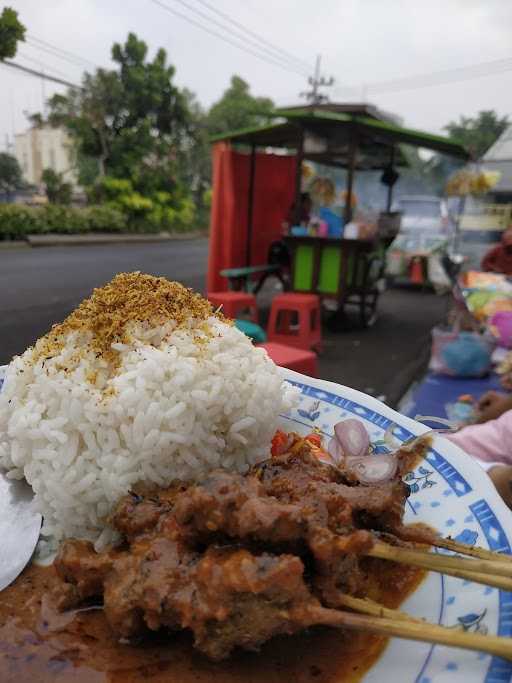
x: 506, y: 381
x: 491, y: 405
x: 501, y: 477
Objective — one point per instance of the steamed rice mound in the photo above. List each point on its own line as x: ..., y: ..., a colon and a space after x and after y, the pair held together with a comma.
x: 142, y: 383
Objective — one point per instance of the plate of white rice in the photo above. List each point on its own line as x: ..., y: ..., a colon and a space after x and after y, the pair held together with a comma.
x: 144, y: 382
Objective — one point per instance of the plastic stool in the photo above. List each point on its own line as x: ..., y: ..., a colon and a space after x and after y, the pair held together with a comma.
x: 234, y: 302
x: 307, y: 334
x: 292, y: 358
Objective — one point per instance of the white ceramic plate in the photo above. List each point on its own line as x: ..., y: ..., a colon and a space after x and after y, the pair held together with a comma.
x: 449, y: 492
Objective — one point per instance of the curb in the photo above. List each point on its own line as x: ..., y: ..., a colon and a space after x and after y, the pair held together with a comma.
x: 86, y: 240
x: 13, y: 244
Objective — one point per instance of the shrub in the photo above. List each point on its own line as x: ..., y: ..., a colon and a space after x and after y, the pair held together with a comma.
x: 128, y: 212
x: 62, y: 219
x: 17, y: 221
x: 105, y: 219
x: 153, y: 212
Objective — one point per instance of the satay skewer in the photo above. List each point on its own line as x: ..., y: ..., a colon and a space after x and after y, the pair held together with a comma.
x: 470, y: 570
x: 415, y: 630
x: 493, y: 567
x: 473, y: 551
x: 367, y: 606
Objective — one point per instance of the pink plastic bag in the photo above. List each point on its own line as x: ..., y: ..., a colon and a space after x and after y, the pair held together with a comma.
x: 502, y: 322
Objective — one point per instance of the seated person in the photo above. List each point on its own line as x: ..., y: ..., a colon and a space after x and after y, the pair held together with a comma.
x: 490, y: 441
x: 304, y: 214
x: 499, y: 258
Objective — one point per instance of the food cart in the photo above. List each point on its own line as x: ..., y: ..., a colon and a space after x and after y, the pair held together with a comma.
x: 257, y: 176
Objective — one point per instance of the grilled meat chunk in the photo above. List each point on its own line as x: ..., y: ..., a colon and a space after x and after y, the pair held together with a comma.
x: 236, y: 559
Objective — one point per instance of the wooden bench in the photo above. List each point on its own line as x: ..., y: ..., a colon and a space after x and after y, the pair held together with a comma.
x: 251, y: 278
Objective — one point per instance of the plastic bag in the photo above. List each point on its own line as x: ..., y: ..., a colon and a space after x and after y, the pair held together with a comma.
x: 460, y: 354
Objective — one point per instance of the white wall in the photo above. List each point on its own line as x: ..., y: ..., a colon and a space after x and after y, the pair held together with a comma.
x: 41, y: 148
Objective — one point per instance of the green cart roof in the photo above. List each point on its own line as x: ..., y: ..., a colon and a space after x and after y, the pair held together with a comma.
x: 328, y: 135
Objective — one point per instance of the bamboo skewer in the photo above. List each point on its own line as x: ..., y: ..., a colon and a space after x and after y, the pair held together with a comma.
x: 367, y: 606
x: 482, y: 566
x: 457, y: 567
x: 421, y: 631
x: 473, y: 551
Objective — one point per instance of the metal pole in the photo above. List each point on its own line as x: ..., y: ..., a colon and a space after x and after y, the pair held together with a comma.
x: 298, y: 177
x: 250, y: 203
x: 390, y: 187
x: 350, y: 175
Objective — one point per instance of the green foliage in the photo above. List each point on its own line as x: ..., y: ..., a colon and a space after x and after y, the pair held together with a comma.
x: 17, y: 221
x: 11, y: 31
x: 237, y: 108
x: 479, y: 133
x: 160, y: 211
x: 10, y: 173
x: 105, y: 219
x: 57, y: 190
x: 133, y: 120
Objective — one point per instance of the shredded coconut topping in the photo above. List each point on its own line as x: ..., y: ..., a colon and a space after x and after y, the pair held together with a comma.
x: 130, y: 298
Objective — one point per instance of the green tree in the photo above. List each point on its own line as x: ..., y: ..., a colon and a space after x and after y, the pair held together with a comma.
x: 237, y: 108
x: 57, y: 190
x: 133, y: 120
x: 477, y: 133
x: 10, y: 173
x: 195, y: 161
x: 11, y: 31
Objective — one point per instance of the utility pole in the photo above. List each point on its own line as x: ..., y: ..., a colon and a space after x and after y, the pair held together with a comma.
x: 314, y: 96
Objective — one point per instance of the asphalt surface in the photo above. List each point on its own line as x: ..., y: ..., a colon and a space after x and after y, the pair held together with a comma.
x: 39, y: 287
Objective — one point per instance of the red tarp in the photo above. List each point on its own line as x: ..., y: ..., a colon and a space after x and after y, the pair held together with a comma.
x: 274, y: 189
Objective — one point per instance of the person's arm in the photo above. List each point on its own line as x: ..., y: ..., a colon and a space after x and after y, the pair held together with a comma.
x: 501, y: 477
x: 489, y: 261
x: 490, y: 442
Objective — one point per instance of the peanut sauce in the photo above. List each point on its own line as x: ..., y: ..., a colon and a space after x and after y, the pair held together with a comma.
x: 38, y: 645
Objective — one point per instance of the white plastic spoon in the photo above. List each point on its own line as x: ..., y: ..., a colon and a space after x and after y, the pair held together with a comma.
x: 19, y: 529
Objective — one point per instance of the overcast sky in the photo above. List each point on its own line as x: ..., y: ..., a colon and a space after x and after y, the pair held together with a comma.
x: 361, y: 42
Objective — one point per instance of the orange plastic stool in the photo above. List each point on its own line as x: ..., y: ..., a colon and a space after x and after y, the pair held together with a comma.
x: 234, y: 302
x: 292, y: 358
x: 307, y: 333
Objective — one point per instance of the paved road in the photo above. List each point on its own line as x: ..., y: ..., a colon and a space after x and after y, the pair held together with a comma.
x: 386, y: 359
x: 39, y: 287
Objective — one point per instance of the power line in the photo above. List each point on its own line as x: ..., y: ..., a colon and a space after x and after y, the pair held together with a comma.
x: 39, y: 74
x: 261, y: 39
x: 434, y: 78
x: 240, y: 46
x: 240, y: 36
x: 47, y: 68
x: 58, y: 52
